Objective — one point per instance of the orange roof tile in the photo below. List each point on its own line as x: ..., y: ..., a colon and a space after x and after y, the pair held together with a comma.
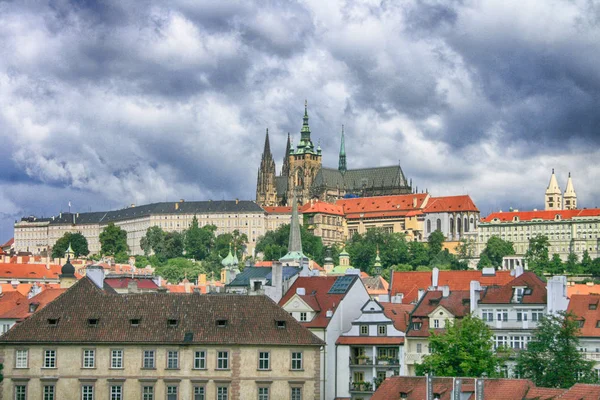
x: 587, y: 309
x: 10, y: 300
x: 504, y: 294
x: 582, y: 289
x: 542, y: 214
x: 263, y: 264
x: 21, y: 311
x: 582, y: 391
x: 398, y: 313
x: 537, y: 393
x: 409, y: 282
x: 29, y: 271
x: 321, y: 207
x: 450, y: 204
x: 373, y: 207
x: 278, y: 210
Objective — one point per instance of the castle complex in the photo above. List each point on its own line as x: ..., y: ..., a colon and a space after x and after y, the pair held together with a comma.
x: 303, y: 172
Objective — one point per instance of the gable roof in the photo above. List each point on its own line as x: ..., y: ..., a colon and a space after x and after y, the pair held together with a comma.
x: 10, y: 300
x: 504, y: 294
x: 318, y: 297
x: 398, y: 313
x: 587, y: 309
x: 546, y: 215
x: 409, y: 282
x: 383, y: 206
x: 251, y: 320
x: 123, y: 282
x: 450, y: 204
x: 321, y: 207
x: 375, y: 285
x: 249, y: 273
x: 581, y: 391
x: 358, y: 179
x: 42, y: 299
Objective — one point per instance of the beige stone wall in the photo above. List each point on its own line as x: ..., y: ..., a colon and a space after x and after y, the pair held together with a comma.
x: 243, y: 378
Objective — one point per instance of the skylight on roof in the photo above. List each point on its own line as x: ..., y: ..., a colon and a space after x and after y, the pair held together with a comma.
x: 341, y: 285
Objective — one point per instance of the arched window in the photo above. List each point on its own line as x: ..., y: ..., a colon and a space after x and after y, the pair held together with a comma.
x: 428, y: 226
x: 452, y: 225
x: 438, y: 225
x: 466, y: 225
x: 459, y: 225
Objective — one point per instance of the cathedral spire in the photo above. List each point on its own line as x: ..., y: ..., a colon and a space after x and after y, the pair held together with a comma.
x: 305, y: 132
x: 267, y: 149
x: 285, y: 167
x: 295, y: 241
x: 342, y: 160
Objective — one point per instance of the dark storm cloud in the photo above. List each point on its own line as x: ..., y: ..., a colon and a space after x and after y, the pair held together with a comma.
x: 117, y: 102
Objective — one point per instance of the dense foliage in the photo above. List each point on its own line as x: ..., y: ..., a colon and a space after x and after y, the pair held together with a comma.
x: 465, y: 348
x: 113, y: 240
x: 495, y: 249
x: 79, y: 245
x: 274, y: 244
x: 552, y: 358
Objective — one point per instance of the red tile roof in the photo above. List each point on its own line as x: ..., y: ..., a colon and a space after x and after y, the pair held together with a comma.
x: 21, y: 311
x: 263, y: 264
x: 398, y: 313
x: 581, y: 391
x: 581, y: 288
x: 537, y: 393
x: 250, y: 320
x: 371, y: 340
x: 321, y: 207
x: 409, y: 282
x: 375, y: 285
x: 456, y: 303
x: 372, y: 207
x: 10, y: 242
x: 413, y: 386
x: 317, y: 297
x: 278, y: 210
x: 123, y: 283
x: 542, y: 214
x: 29, y: 271
x: 587, y: 309
x: 450, y: 204
x: 10, y: 300
x: 504, y: 294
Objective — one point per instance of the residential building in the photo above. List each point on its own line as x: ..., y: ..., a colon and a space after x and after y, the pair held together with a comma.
x: 416, y: 388
x: 302, y: 171
x: 326, y: 305
x: 264, y: 281
x: 371, y: 350
x: 585, y: 307
x: 568, y: 231
x: 326, y: 221
x: 435, y: 309
x: 40, y: 234
x: 92, y: 343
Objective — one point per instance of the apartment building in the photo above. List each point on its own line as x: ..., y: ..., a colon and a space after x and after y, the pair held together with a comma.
x: 92, y: 343
x: 585, y: 308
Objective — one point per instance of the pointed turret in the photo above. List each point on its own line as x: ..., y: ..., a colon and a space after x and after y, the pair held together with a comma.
x: 267, y: 149
x: 553, y: 194
x: 295, y: 242
x: 285, y: 169
x: 342, y: 160
x: 305, y: 145
x: 377, y: 264
x: 570, y: 197
x: 266, y: 193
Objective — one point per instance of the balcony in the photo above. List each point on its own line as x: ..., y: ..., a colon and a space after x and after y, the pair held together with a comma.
x: 361, y: 361
x: 592, y: 356
x: 414, y: 358
x: 384, y: 361
x: 361, y: 387
x: 512, y: 324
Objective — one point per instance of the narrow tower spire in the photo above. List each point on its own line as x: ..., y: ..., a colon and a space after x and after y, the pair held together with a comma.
x: 342, y: 160
x: 295, y: 241
x: 305, y: 132
x: 570, y: 197
x: 267, y: 149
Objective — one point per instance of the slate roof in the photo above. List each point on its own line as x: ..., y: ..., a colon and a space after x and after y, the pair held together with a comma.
x: 251, y: 320
x: 504, y: 294
x: 587, y: 309
x: 364, y: 178
x: 185, y: 207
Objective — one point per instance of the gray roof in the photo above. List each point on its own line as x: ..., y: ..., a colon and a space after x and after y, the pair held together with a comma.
x: 186, y: 207
x: 357, y: 179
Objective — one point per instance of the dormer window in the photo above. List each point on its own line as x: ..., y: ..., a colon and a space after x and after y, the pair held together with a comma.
x: 417, y: 326
x: 33, y: 307
x: 172, y: 322
x: 52, y: 321
x: 221, y: 323
x: 403, y: 395
x: 598, y: 324
x: 134, y: 321
x: 593, y: 306
x: 280, y: 324
x: 93, y: 322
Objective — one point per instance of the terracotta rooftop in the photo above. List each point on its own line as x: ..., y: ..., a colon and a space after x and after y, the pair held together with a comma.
x: 87, y: 314
x: 409, y: 282
x: 321, y: 207
x: 381, y: 206
x: 542, y: 215
x: 505, y: 294
x: 581, y: 391
x: 41, y: 300
x: 457, y: 303
x: 450, y: 204
x: 29, y: 271
x: 580, y: 288
x: 398, y: 313
x: 317, y: 297
x: 123, y: 283
x: 10, y: 300
x: 587, y: 309
x: 278, y: 210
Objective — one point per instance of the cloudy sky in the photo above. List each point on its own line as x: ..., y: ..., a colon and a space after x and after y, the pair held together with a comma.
x: 108, y: 103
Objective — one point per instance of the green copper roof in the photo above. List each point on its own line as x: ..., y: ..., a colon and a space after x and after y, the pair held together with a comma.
x: 342, y: 162
x: 305, y: 146
x: 230, y: 260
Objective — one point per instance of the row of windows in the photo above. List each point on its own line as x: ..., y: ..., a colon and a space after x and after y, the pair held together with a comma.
x: 521, y: 315
x: 116, y: 392
x: 149, y: 359
x: 381, y: 330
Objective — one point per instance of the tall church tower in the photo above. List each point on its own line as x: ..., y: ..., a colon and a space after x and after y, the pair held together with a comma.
x: 285, y: 168
x: 553, y: 194
x: 304, y: 163
x: 342, y: 161
x: 266, y: 193
x: 570, y: 197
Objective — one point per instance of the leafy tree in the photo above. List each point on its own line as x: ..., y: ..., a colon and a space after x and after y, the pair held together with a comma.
x: 443, y: 260
x: 436, y: 242
x: 594, y: 268
x: 113, y: 240
x: 176, y: 269
x: 199, y: 241
x: 465, y: 249
x: 417, y: 254
x: 537, y: 256
x: 153, y: 241
x: 572, y: 265
x: 586, y: 262
x: 236, y: 240
x: 497, y: 248
x: 274, y: 244
x: 484, y: 261
x: 466, y: 349
x: 79, y: 245
x: 173, y: 245
x: 121, y: 257
x: 362, y: 248
x: 551, y: 358
x: 555, y: 266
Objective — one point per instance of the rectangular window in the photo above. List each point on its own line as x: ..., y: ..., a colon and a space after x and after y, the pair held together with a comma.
x: 49, y: 392
x: 263, y: 360
x: 263, y: 393
x: 49, y: 358
x: 200, y: 359
x: 21, y: 358
x: 296, y: 393
x: 297, y: 361
x: 171, y: 392
x: 419, y: 348
x: 487, y: 315
x: 500, y: 341
x: 116, y: 392
x: 364, y: 330
x: 116, y: 359
x: 303, y: 317
x: 149, y: 359
x: 521, y: 315
x: 148, y: 393
x: 20, y: 392
x: 87, y: 392
x: 381, y: 330
x: 222, y: 393
x: 502, y: 315
x: 536, y: 315
x: 199, y: 393
x: 436, y: 323
x: 172, y: 359
x: 222, y: 360
x: 89, y: 358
